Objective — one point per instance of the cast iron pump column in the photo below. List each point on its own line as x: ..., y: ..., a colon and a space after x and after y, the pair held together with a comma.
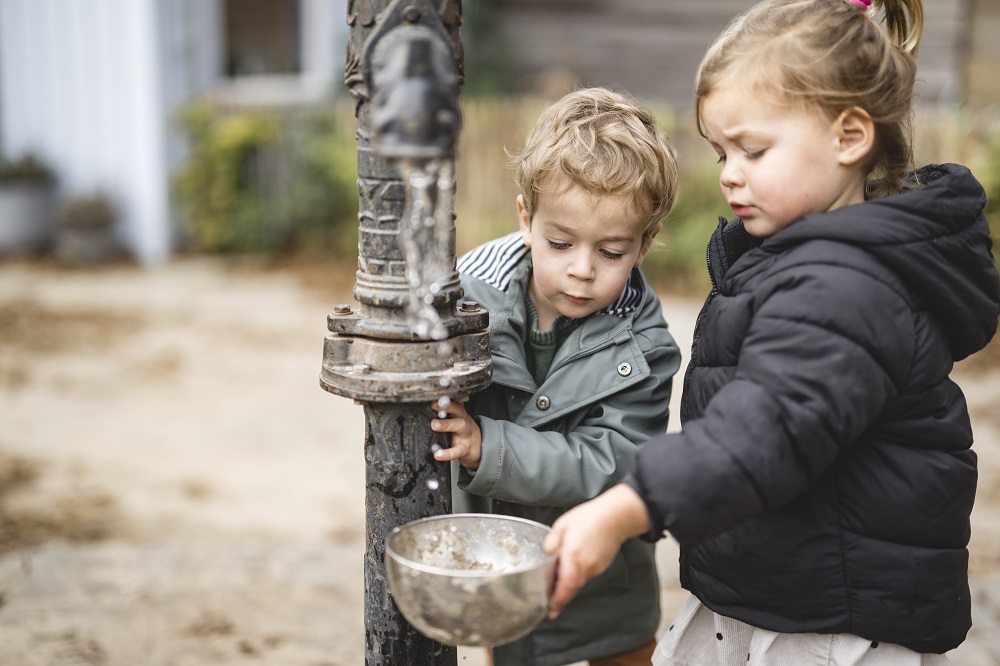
x: 410, y: 341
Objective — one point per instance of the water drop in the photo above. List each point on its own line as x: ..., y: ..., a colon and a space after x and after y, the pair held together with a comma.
x: 435, y: 448
x: 445, y: 381
x: 433, y: 484
x: 444, y: 401
x: 425, y: 240
x: 442, y: 415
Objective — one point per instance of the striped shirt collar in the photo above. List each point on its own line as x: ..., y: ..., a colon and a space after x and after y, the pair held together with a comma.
x: 495, y: 262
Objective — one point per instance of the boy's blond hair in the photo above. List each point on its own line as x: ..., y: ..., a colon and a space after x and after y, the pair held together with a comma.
x: 607, y: 144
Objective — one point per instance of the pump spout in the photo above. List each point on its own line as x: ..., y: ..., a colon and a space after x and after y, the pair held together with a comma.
x: 405, y: 75
x: 416, y: 119
x: 415, y: 112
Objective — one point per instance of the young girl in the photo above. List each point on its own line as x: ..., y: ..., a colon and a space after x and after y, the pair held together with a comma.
x: 823, y: 480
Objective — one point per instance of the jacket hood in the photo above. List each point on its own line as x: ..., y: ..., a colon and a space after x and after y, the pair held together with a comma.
x: 496, y: 275
x: 935, y: 238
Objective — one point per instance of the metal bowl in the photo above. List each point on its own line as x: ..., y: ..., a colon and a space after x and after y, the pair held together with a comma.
x: 470, y: 578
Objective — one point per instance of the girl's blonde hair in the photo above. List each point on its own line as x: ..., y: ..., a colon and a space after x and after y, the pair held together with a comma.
x: 829, y: 55
x: 607, y: 144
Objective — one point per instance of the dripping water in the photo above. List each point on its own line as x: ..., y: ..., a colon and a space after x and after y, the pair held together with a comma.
x: 425, y: 238
x: 440, y: 439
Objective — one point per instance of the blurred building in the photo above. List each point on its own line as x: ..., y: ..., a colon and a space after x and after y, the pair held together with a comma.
x: 92, y: 87
x: 652, y: 47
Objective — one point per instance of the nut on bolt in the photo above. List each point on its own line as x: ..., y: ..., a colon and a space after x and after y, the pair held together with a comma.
x: 411, y: 14
x: 342, y: 309
x: 468, y: 306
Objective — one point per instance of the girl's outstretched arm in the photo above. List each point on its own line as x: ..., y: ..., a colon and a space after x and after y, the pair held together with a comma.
x: 588, y: 537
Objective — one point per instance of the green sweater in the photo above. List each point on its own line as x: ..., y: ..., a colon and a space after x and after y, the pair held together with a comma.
x: 540, y: 347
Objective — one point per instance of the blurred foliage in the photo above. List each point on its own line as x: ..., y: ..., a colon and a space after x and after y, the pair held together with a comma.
x: 282, y: 182
x: 268, y: 181
x: 91, y: 211
x: 677, y: 262
x: 488, y: 52
x: 25, y: 169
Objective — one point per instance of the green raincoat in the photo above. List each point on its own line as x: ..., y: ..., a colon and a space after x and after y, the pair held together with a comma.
x: 547, y: 448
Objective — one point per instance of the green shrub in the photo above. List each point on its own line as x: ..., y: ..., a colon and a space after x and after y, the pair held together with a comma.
x: 25, y: 169
x: 268, y: 181
x: 91, y: 211
x: 284, y: 181
x: 678, y: 261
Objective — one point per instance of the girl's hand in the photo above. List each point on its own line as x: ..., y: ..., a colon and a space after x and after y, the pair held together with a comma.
x: 587, y: 538
x: 466, y: 437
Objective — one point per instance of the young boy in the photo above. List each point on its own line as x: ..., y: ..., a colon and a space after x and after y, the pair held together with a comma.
x: 582, y: 359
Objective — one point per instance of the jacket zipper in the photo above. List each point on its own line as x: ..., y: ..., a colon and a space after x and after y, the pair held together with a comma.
x: 693, y: 363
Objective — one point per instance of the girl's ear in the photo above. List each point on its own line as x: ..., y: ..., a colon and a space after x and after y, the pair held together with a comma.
x: 856, y: 136
x: 524, y: 221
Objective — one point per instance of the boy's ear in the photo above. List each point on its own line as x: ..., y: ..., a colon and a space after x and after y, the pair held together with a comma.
x: 647, y: 243
x: 524, y: 221
x: 642, y: 253
x: 856, y: 136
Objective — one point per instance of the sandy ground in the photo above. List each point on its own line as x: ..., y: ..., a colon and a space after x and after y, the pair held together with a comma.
x: 176, y: 489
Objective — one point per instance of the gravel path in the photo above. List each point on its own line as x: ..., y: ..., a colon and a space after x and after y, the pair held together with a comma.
x: 175, y: 489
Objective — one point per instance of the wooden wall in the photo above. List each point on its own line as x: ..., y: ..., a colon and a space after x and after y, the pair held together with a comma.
x: 652, y: 47
x: 983, y: 65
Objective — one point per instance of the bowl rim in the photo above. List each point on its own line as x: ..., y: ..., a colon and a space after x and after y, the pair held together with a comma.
x: 462, y: 573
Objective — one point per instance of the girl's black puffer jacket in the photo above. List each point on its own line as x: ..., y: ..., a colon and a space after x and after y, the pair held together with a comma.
x: 824, y: 476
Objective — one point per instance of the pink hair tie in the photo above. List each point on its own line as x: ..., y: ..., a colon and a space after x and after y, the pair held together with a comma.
x: 864, y: 4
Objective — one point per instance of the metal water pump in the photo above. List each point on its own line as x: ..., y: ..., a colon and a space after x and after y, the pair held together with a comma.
x: 410, y: 340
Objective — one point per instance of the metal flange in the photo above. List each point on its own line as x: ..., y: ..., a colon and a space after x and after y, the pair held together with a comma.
x: 368, y: 370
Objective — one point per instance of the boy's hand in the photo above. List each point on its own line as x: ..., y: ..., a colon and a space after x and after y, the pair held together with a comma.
x: 466, y: 437
x: 587, y: 538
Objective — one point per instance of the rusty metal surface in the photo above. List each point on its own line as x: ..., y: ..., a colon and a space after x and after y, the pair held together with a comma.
x: 403, y: 483
x: 345, y: 321
x: 414, y: 80
x: 404, y: 66
x: 388, y: 371
x: 389, y: 28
